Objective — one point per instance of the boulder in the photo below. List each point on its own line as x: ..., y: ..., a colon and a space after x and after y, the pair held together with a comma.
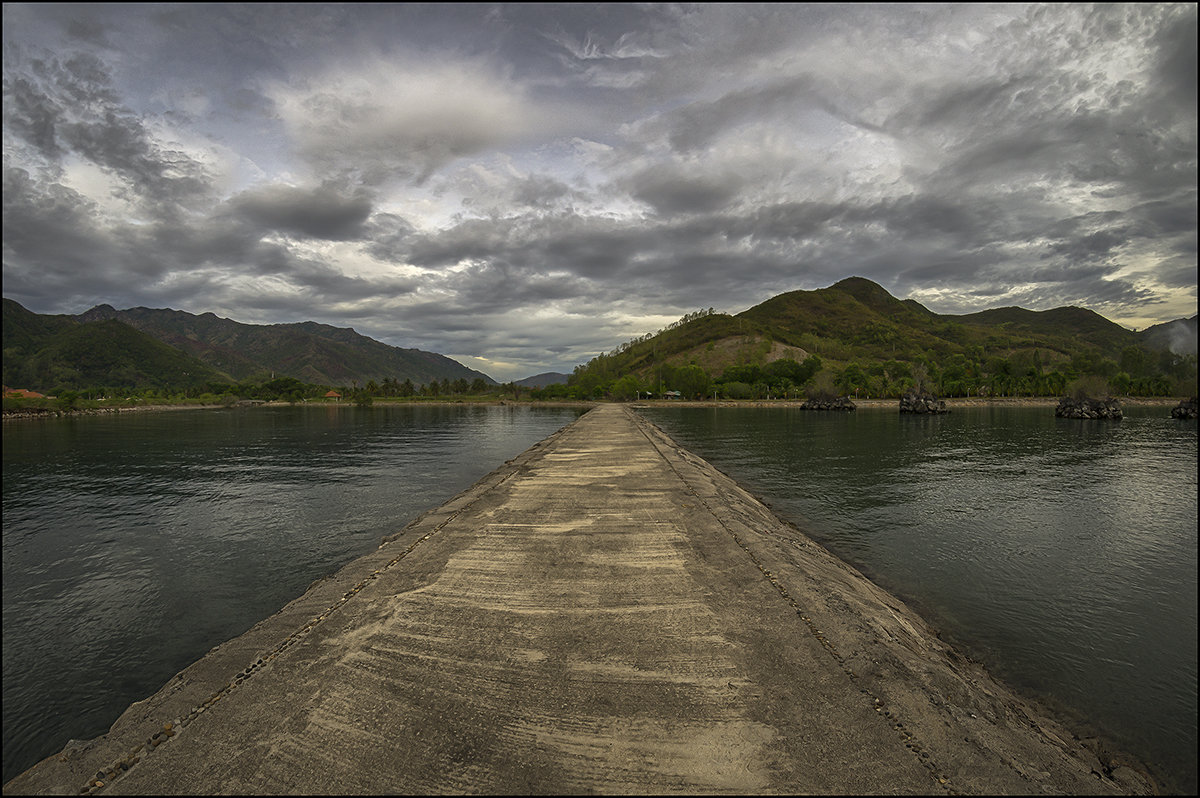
x: 1185, y: 409
x: 922, y: 403
x: 817, y: 403
x: 1070, y: 407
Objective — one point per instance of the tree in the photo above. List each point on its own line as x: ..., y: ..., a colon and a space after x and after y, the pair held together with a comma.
x: 748, y: 373
x: 852, y: 379
x: 1121, y: 383
x: 1092, y: 386
x: 737, y: 390
x: 692, y: 381
x: 626, y: 388
x: 788, y: 369
x: 1134, y: 361
x: 821, y: 387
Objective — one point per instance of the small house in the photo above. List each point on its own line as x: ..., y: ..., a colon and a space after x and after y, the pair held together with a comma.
x: 22, y: 393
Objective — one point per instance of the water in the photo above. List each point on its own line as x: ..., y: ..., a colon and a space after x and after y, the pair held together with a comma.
x: 1060, y: 553
x: 134, y: 544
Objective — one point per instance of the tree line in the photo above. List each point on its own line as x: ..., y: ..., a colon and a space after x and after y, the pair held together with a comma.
x: 1137, y: 372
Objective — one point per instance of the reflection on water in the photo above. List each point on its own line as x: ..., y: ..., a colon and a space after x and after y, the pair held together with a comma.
x: 1062, y: 553
x: 132, y: 545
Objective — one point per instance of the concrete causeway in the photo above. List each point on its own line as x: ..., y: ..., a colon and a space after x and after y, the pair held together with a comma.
x: 605, y: 613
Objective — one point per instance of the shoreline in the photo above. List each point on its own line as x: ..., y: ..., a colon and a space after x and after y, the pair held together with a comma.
x: 860, y: 404
x: 893, y: 404
x: 38, y: 413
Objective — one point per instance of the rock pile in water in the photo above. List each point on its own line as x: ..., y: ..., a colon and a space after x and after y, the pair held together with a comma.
x: 1186, y: 409
x: 841, y: 403
x: 1069, y: 407
x: 921, y: 403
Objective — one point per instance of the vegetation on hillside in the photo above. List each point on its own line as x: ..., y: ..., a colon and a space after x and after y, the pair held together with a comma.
x: 855, y: 339
x: 852, y: 338
x: 126, y: 352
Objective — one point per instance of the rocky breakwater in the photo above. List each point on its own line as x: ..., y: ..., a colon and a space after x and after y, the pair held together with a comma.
x: 1187, y: 409
x: 922, y: 403
x: 828, y: 403
x: 1072, y: 407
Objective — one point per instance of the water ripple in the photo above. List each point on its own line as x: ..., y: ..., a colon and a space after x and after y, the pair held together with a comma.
x: 1063, y: 553
x: 132, y: 545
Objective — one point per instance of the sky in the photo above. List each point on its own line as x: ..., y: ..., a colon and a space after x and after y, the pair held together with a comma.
x: 523, y: 187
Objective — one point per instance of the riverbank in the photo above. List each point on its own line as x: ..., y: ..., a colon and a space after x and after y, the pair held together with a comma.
x: 608, y: 613
x: 861, y: 404
x: 38, y: 413
x: 893, y: 404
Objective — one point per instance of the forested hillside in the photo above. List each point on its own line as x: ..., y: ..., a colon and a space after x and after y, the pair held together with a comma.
x: 106, y: 352
x: 855, y: 338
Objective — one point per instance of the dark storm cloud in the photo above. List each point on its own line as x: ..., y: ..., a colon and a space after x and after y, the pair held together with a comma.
x: 443, y: 174
x: 317, y: 213
x: 1169, y: 216
x: 51, y: 242
x: 1177, y: 59
x: 88, y: 30
x: 784, y: 220
x: 540, y: 191
x: 671, y: 189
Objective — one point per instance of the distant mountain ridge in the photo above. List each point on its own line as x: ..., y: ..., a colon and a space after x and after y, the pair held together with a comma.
x: 854, y: 321
x: 220, y: 349
x: 543, y: 379
x: 1179, y: 336
x: 308, y: 351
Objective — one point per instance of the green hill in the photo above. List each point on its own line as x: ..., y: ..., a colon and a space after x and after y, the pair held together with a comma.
x: 59, y: 352
x: 307, y: 351
x: 869, y: 342
x: 146, y: 348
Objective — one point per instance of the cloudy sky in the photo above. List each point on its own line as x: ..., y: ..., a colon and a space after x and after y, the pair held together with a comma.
x: 522, y: 187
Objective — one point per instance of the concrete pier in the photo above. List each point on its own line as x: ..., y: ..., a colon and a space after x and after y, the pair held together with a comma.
x: 605, y: 613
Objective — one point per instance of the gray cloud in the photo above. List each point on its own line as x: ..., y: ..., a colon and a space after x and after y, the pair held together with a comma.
x: 317, y: 213
x: 1177, y: 59
x: 70, y: 106
x: 671, y: 189
x: 441, y: 175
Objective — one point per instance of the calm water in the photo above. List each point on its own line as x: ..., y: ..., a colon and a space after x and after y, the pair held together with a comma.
x: 1061, y: 553
x: 133, y: 545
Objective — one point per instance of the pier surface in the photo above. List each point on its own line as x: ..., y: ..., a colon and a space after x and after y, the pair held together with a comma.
x: 605, y: 613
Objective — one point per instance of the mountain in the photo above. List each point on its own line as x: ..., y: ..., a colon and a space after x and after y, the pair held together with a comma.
x: 307, y: 351
x: 62, y: 352
x: 542, y: 380
x: 1177, y: 336
x: 143, y: 347
x: 857, y: 322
